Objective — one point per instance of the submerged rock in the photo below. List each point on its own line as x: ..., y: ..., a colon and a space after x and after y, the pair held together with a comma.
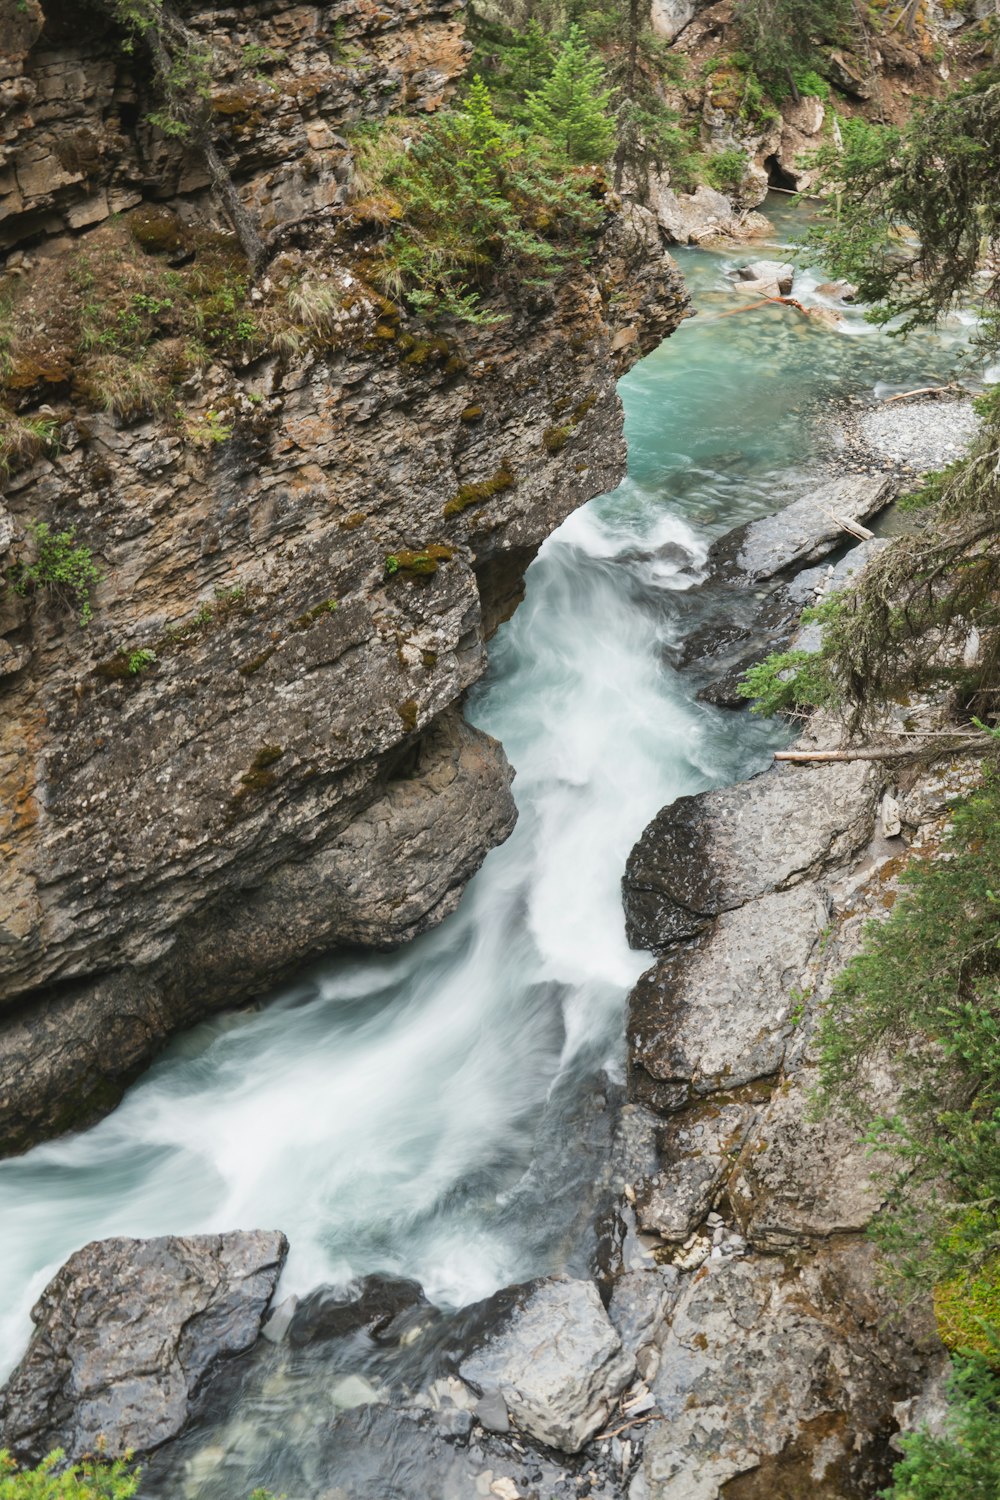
x: 126, y: 1334
x: 556, y: 1360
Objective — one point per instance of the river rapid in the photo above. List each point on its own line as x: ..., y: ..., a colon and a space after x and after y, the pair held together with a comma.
x: 445, y: 1112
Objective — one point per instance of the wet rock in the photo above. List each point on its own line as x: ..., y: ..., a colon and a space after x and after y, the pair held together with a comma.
x: 641, y: 1304
x: 711, y: 853
x: 802, y: 533
x: 127, y: 1333
x: 381, y: 1305
x: 696, y: 1155
x: 556, y: 1360
x: 766, y: 278
x: 713, y: 1014
x: 688, y: 218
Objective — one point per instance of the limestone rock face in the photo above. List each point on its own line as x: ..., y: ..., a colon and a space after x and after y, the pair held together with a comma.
x: 772, y: 1377
x: 166, y: 831
x: 558, y: 1363
x: 802, y: 532
x: 127, y: 1332
x: 711, y: 853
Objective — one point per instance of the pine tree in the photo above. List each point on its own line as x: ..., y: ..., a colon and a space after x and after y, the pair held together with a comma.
x: 571, y: 107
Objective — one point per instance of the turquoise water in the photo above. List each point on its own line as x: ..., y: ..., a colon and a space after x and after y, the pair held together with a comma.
x: 436, y: 1112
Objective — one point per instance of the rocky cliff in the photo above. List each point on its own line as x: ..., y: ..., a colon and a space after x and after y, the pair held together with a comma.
x: 255, y: 751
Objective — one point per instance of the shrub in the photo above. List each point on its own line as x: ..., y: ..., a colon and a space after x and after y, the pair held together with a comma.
x: 964, y: 1464
x: 61, y: 567
x: 479, y: 202
x: 726, y: 169
x: 92, y: 1479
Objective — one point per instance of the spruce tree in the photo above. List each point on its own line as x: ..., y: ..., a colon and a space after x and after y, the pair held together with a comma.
x: 571, y: 107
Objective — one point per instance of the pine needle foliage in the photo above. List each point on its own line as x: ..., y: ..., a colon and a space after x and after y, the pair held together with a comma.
x: 964, y: 1463
x: 911, y: 209
x: 571, y: 107
x: 926, y: 990
x: 478, y: 203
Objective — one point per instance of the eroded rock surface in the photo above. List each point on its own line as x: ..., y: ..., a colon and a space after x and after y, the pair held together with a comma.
x: 294, y: 726
x: 558, y: 1363
x: 801, y: 533
x: 126, y: 1334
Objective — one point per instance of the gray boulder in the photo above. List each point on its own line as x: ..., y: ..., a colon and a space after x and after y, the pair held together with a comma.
x: 713, y: 1014
x: 803, y: 532
x: 767, y: 278
x: 784, y: 1374
x: 713, y: 852
x: 696, y: 1155
x: 557, y: 1361
x: 126, y: 1333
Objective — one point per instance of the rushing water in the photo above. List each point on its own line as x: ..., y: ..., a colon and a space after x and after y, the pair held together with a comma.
x: 421, y: 1113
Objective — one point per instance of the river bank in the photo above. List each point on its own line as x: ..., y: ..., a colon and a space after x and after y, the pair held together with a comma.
x: 453, y: 1113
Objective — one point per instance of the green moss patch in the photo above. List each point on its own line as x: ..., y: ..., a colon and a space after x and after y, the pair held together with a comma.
x: 476, y: 494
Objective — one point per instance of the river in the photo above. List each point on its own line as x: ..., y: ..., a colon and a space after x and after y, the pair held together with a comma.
x: 441, y: 1113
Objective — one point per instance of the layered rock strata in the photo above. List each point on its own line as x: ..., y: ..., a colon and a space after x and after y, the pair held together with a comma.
x: 255, y: 752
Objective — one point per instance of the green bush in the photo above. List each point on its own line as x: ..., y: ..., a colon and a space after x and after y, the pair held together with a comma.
x: 965, y: 1463
x: 786, y: 681
x: 91, y: 1479
x: 475, y: 202
x: 726, y: 169
x: 61, y: 567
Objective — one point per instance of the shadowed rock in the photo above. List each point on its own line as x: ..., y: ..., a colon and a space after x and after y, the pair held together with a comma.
x: 126, y: 1334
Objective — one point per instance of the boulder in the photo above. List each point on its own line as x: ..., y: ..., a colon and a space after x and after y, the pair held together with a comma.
x: 557, y: 1361
x: 799, y: 1178
x: 803, y: 532
x: 783, y: 1375
x: 669, y: 17
x: 711, y: 853
x: 689, y: 218
x: 713, y: 1014
x: 126, y: 1334
x: 696, y: 1157
x: 766, y: 278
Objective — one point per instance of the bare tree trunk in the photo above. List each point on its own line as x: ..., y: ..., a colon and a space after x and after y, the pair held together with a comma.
x: 235, y: 209
x: 628, y: 89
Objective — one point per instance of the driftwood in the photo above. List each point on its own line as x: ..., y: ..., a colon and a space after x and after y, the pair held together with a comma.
x: 853, y: 528
x: 750, y: 306
x: 879, y: 752
x: 924, y: 390
x: 654, y: 1416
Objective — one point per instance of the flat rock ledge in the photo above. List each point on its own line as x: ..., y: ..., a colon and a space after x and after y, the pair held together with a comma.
x: 127, y: 1333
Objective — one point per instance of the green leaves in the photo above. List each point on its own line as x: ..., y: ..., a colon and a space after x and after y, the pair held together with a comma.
x: 61, y: 567
x: 571, y: 107
x: 89, y: 1480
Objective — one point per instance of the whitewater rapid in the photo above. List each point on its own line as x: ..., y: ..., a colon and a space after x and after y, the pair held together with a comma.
x: 418, y: 1113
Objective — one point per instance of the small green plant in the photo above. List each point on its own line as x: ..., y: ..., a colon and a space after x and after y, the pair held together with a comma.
x: 211, y: 429
x: 797, y: 1004
x: 964, y: 1463
x: 91, y: 1479
x: 726, y: 169
x: 61, y: 567
x: 141, y: 660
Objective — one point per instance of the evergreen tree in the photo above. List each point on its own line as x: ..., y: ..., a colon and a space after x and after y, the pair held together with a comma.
x: 571, y: 107
x: 782, y: 37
